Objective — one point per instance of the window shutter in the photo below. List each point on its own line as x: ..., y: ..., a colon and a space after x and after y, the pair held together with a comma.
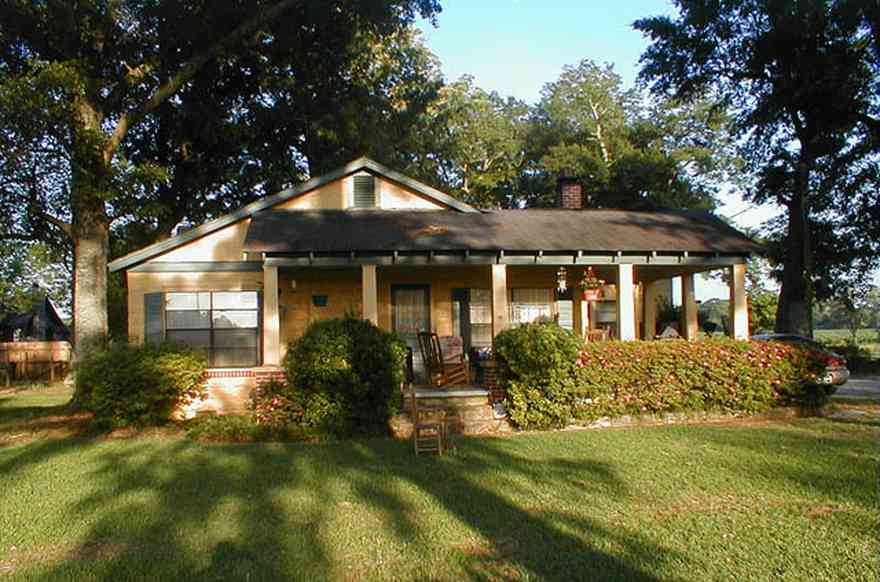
x: 154, y: 318
x: 364, y: 192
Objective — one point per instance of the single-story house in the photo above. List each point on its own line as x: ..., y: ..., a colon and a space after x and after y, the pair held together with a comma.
x: 42, y: 323
x: 368, y: 240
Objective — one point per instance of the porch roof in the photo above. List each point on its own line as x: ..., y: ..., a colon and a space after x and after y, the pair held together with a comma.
x: 293, y: 232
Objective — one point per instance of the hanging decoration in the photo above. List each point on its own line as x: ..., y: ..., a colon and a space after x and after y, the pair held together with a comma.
x: 591, y: 285
x: 561, y: 280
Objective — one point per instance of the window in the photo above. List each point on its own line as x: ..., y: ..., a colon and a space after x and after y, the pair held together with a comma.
x: 481, y: 318
x: 530, y: 305
x: 364, y: 192
x: 225, y: 325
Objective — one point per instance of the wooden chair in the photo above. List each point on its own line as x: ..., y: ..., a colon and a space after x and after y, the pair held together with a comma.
x: 597, y: 335
x: 442, y: 372
x: 429, y: 428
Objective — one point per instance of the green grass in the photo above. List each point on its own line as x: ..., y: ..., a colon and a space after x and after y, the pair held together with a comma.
x: 867, y: 338
x: 749, y: 501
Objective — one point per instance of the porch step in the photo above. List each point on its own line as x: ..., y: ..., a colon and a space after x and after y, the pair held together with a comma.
x: 468, y: 412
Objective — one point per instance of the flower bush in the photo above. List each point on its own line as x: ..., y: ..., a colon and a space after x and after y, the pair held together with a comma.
x: 127, y: 384
x: 553, y: 378
x: 343, y: 377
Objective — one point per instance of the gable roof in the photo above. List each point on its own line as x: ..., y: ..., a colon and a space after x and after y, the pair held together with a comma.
x: 360, y: 164
x: 549, y: 230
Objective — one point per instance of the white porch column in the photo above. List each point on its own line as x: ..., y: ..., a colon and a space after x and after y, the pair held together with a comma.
x: 626, y: 308
x: 271, y: 319
x: 370, y: 293
x: 690, y: 323
x: 499, y: 299
x: 652, y: 296
x: 739, y: 306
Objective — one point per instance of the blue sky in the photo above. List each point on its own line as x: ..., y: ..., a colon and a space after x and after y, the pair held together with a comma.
x: 516, y: 46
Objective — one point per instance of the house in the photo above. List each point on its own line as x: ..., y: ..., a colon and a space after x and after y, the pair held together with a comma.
x: 365, y: 239
x: 41, y: 324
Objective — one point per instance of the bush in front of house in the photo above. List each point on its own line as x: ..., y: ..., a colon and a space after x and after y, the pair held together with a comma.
x: 126, y: 384
x: 552, y: 378
x: 292, y: 414
x: 539, y: 373
x: 344, y: 376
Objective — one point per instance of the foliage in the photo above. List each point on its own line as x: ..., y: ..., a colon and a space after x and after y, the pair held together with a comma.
x: 774, y: 65
x: 284, y: 410
x: 28, y: 272
x: 552, y: 378
x: 138, y: 116
x: 346, y: 373
x: 539, y: 373
x: 127, y: 384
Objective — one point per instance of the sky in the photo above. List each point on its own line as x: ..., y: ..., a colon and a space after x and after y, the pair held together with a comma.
x: 516, y: 46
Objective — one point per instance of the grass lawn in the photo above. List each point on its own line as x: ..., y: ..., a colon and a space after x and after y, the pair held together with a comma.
x: 867, y: 338
x: 792, y: 500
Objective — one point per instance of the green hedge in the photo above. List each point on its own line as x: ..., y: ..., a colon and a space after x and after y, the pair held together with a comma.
x: 126, y: 384
x: 552, y: 378
x: 344, y: 378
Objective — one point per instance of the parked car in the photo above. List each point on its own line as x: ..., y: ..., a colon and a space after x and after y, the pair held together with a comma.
x: 836, y: 373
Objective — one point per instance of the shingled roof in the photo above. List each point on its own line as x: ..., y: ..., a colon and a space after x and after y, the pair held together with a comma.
x: 548, y: 230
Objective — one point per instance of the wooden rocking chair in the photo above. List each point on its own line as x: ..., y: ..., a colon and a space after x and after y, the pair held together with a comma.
x: 442, y: 372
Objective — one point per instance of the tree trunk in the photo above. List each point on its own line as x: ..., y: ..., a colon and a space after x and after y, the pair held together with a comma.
x: 795, y: 312
x: 89, y: 230
x: 90, y: 252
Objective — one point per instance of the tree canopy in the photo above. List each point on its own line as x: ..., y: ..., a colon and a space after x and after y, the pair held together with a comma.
x: 801, y: 81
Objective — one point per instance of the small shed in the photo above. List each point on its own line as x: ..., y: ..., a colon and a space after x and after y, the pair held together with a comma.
x: 41, y: 324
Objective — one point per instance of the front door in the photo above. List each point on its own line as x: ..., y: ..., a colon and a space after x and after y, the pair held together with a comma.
x: 410, y: 314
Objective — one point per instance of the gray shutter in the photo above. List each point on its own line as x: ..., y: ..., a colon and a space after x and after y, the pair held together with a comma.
x: 364, y: 192
x: 154, y: 318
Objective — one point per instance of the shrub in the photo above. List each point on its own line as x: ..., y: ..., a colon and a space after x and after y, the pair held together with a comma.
x: 126, y: 384
x: 539, y: 373
x: 552, y: 377
x: 346, y: 374
x: 284, y: 410
x: 234, y: 429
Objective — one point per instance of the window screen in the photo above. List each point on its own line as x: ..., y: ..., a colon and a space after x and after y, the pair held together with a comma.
x: 224, y: 325
x: 530, y: 305
x: 364, y: 192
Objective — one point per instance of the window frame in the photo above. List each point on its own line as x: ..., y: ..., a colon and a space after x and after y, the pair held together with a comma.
x: 212, y: 330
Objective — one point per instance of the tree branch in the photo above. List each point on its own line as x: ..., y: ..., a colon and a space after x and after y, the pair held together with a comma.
x: 189, y: 70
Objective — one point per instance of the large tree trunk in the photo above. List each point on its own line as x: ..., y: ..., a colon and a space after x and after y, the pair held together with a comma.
x: 795, y: 312
x: 89, y: 231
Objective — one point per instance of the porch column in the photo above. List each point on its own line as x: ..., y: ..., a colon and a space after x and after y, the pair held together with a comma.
x: 739, y: 307
x: 271, y: 319
x: 370, y: 293
x: 626, y: 308
x: 689, y: 308
x: 652, y: 296
x: 499, y: 299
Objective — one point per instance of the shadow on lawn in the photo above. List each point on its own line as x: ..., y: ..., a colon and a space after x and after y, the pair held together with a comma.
x: 150, y: 503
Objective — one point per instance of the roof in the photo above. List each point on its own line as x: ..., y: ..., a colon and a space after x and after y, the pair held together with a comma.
x: 548, y: 230
x: 360, y: 164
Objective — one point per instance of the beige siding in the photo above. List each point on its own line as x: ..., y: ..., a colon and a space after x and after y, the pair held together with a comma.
x: 142, y: 283
x: 226, y: 244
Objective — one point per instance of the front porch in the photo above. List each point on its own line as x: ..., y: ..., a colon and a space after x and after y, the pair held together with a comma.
x: 477, y: 297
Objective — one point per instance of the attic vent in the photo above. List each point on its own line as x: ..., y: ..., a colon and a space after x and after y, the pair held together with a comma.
x: 364, y: 192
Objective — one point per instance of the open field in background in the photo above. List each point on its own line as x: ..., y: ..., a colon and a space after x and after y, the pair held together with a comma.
x: 784, y: 500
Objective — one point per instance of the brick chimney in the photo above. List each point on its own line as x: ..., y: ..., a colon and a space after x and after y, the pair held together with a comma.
x: 570, y: 193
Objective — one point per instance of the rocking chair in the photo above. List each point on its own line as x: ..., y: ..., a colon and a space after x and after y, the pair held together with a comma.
x: 442, y: 372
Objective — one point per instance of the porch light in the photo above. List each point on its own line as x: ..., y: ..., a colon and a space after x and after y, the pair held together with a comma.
x: 561, y: 280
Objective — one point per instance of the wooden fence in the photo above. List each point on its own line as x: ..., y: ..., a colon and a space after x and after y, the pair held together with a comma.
x: 34, y: 360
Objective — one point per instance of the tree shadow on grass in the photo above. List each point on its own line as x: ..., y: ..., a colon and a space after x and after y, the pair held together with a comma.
x: 838, y: 465
x: 183, y: 510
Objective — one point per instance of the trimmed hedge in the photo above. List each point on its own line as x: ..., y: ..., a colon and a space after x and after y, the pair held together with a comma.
x: 126, y: 384
x: 344, y: 378
x: 552, y: 378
